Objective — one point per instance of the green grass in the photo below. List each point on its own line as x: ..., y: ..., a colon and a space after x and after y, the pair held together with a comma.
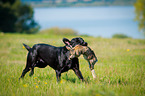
x: 120, y: 69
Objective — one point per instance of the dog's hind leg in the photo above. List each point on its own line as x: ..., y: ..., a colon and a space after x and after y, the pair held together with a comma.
x: 27, y: 68
x: 33, y: 64
x: 31, y: 59
x: 32, y: 71
x: 24, y: 72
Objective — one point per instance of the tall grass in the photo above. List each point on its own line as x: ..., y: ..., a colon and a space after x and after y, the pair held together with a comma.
x: 120, y: 69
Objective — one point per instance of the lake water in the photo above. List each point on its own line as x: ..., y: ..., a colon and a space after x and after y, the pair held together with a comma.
x: 95, y: 21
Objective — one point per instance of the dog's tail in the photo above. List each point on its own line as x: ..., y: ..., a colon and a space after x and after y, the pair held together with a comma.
x: 27, y: 47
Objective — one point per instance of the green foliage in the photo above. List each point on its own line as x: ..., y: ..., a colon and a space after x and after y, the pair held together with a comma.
x: 17, y: 17
x: 120, y: 69
x: 140, y: 14
x: 59, y: 31
x: 121, y: 36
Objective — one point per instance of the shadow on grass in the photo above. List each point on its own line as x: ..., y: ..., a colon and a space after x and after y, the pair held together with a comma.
x: 75, y: 80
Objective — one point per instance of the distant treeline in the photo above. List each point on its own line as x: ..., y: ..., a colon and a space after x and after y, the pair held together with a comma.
x: 64, y: 3
x: 16, y: 17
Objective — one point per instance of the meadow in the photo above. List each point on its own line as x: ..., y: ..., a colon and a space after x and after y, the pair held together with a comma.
x: 120, y: 69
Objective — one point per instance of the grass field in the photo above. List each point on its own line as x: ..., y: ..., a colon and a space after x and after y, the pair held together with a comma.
x: 120, y: 69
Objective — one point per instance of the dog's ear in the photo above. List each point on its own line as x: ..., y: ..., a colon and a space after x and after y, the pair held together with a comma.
x: 66, y: 41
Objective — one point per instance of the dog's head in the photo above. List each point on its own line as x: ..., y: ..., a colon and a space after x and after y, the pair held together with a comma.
x: 74, y: 42
x: 78, y: 41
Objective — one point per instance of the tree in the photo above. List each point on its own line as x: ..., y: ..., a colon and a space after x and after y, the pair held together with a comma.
x: 140, y: 14
x: 17, y: 17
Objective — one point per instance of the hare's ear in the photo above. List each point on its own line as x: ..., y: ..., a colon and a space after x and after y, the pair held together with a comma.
x: 68, y: 48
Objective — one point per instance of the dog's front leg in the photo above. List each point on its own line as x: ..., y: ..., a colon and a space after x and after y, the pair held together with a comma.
x: 78, y: 73
x: 58, y: 75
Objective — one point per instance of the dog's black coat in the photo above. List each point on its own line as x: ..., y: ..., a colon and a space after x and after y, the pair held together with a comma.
x: 41, y: 55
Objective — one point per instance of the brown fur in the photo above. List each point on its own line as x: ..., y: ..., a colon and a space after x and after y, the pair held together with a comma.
x: 88, y: 54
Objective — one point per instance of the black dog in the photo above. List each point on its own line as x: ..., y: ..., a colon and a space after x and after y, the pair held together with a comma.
x: 41, y: 55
